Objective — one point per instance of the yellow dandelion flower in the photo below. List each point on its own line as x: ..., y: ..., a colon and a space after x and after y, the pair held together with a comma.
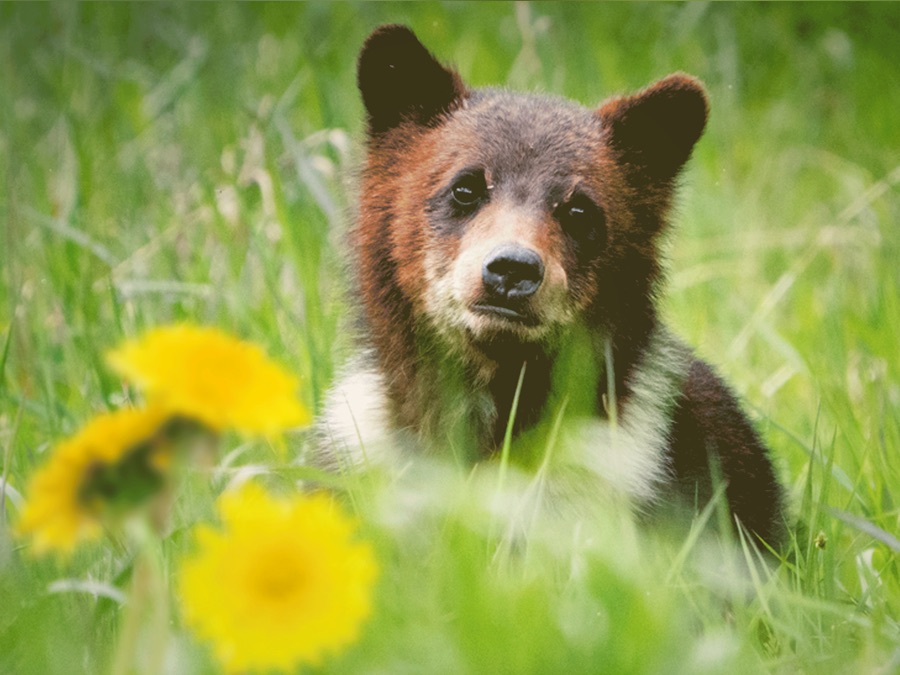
x: 114, y: 463
x: 206, y: 375
x: 281, y: 584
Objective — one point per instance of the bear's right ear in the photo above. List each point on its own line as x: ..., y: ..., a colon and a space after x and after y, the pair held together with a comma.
x: 400, y: 80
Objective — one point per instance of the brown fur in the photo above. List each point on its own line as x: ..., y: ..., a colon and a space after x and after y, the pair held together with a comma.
x: 587, y: 193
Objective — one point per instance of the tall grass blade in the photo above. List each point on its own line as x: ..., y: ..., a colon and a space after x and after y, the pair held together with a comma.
x: 507, y: 436
x: 868, y: 528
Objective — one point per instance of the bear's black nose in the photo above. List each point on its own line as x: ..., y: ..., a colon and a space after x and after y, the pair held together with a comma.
x: 512, y: 272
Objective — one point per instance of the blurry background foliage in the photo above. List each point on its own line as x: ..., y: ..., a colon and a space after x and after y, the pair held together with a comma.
x: 163, y: 162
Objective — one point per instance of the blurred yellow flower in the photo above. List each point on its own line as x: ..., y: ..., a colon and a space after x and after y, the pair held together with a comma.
x: 116, y: 462
x: 281, y: 584
x: 215, y: 379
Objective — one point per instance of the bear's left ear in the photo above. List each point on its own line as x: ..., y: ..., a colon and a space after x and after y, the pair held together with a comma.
x: 400, y: 80
x: 654, y: 131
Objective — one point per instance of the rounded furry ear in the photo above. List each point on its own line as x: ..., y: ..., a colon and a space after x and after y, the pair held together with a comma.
x: 400, y: 80
x: 654, y: 131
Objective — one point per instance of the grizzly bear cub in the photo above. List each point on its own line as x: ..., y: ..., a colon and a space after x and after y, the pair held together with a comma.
x: 507, y: 258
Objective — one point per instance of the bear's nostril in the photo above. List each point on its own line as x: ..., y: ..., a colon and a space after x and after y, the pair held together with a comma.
x: 512, y: 272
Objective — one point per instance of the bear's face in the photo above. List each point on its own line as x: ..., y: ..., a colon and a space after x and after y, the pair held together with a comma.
x: 504, y: 217
x: 515, y: 223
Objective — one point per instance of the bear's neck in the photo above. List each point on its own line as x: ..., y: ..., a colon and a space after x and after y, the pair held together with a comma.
x: 447, y: 398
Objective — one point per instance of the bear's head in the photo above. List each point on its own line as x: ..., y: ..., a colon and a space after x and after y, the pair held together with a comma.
x: 493, y: 218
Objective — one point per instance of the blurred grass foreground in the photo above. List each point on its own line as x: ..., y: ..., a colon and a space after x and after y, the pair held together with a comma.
x: 173, y: 165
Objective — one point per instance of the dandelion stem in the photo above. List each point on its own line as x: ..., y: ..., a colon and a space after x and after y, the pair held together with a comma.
x: 148, y: 593
x: 134, y: 608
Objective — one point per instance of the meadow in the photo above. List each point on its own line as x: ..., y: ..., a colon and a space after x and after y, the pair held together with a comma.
x: 164, y: 163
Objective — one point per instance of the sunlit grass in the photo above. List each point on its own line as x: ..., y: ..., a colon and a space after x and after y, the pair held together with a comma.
x: 167, y: 163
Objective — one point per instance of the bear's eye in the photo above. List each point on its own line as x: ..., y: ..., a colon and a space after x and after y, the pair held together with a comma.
x: 579, y: 212
x: 583, y: 220
x: 469, y: 190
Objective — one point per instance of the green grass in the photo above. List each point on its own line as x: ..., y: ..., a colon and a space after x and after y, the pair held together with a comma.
x: 191, y: 162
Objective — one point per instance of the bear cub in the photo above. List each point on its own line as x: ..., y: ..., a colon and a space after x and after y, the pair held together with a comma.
x: 507, y: 260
